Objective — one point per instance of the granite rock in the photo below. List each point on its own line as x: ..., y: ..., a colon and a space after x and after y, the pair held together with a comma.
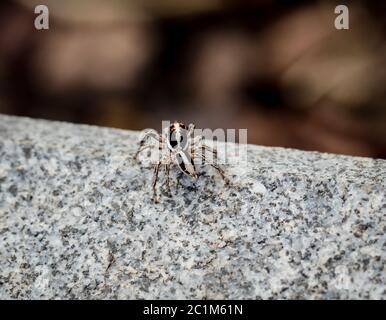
x: 77, y: 221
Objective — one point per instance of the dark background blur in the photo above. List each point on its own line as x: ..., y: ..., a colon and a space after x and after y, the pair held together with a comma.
x: 278, y: 68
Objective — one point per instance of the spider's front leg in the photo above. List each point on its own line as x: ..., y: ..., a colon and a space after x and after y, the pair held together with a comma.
x: 145, y: 136
x: 163, y: 163
x: 167, y: 169
x: 142, y: 148
x: 155, y: 179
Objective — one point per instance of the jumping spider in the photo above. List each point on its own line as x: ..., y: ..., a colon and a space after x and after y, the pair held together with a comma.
x: 179, y: 147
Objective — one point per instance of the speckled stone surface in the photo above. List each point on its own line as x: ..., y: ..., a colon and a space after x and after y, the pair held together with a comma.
x: 77, y: 222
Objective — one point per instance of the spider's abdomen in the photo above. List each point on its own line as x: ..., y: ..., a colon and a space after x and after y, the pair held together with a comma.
x: 186, y: 164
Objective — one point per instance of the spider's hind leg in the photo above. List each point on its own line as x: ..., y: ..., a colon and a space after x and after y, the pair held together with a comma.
x: 216, y: 166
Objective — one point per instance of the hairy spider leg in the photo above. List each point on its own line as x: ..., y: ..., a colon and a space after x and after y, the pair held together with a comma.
x: 198, y: 145
x: 147, y: 135
x: 220, y: 171
x: 155, y: 179
x: 167, y: 169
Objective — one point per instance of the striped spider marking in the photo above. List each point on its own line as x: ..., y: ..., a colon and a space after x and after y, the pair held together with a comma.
x: 178, y: 147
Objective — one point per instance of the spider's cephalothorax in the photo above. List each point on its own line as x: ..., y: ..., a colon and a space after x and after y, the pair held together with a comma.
x: 178, y: 147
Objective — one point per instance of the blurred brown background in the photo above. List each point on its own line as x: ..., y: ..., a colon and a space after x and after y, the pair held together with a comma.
x: 278, y: 68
